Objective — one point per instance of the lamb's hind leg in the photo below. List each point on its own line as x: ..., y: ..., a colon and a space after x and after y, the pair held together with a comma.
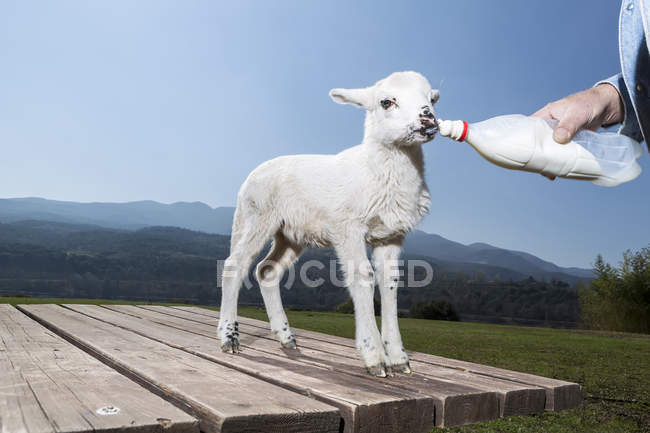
x: 269, y: 273
x: 247, y: 241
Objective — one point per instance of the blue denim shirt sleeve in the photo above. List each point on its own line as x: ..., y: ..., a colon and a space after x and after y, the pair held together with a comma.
x: 630, y: 125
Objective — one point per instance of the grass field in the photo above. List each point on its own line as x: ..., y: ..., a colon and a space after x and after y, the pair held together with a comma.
x: 613, y: 368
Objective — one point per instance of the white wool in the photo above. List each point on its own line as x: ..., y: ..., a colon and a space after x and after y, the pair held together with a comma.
x: 372, y: 193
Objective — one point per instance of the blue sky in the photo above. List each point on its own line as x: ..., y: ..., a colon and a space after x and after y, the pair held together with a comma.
x: 180, y: 100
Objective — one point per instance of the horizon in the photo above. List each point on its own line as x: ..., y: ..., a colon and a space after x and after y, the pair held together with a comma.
x: 177, y: 102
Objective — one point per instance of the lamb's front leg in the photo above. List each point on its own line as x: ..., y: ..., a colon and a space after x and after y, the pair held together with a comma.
x: 387, y: 266
x: 361, y: 284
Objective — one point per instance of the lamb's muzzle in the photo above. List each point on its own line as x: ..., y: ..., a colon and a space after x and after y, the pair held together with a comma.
x: 429, y: 127
x: 429, y: 123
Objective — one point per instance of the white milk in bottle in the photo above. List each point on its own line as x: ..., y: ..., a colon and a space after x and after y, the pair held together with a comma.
x: 526, y: 143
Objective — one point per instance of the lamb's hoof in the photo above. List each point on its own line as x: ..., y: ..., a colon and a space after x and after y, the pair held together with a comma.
x: 378, y: 370
x: 402, y: 368
x: 230, y: 345
x: 290, y: 343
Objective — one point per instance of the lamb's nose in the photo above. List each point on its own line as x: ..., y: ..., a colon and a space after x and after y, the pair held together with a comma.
x: 426, y: 113
x: 427, y: 121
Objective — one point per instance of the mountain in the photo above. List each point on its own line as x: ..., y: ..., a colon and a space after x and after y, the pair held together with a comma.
x: 539, y: 263
x: 133, y: 215
x: 476, y: 258
x: 438, y: 247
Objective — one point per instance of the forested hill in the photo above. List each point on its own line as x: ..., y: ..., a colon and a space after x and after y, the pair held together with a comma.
x: 164, y: 263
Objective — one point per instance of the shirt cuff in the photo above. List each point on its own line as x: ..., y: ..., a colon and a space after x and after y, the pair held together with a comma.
x: 630, y: 124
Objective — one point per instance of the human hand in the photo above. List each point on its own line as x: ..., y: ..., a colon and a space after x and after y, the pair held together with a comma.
x: 589, y: 109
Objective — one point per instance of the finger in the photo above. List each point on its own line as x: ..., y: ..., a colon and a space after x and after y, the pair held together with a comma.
x: 562, y: 135
x: 571, y: 122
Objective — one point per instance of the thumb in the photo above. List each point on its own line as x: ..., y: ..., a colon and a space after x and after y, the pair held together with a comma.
x: 568, y: 126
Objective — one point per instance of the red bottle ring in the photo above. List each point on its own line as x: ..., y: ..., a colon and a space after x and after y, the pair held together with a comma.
x: 464, y: 134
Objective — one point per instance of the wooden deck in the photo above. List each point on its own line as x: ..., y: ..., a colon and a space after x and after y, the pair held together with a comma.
x: 86, y: 368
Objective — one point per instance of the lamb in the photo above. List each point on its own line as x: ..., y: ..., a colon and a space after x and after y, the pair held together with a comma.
x: 373, y: 193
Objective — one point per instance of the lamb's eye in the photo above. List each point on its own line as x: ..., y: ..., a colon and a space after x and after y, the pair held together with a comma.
x: 386, y: 104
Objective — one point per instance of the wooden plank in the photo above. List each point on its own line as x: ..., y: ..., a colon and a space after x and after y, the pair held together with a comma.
x: 455, y: 403
x: 48, y: 385
x: 560, y: 394
x: 514, y: 398
x: 222, y: 399
x: 365, y: 405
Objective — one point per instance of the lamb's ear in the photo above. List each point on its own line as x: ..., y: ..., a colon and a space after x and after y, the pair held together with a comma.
x: 359, y: 97
x: 434, y: 95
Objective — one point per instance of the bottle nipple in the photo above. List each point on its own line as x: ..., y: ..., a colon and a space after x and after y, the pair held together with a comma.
x: 454, y: 129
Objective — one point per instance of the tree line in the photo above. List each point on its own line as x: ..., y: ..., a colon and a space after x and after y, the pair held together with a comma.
x: 619, y: 298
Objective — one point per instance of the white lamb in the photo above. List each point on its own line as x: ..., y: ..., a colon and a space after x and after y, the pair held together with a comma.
x: 372, y: 193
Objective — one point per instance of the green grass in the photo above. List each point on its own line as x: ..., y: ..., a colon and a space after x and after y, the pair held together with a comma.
x: 20, y: 300
x: 613, y: 368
